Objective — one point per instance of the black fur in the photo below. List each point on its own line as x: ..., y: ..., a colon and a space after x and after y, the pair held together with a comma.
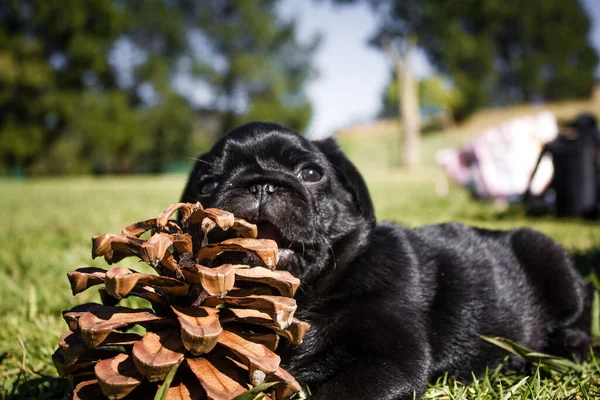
x: 390, y: 307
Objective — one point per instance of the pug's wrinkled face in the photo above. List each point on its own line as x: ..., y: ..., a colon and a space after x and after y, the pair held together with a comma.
x: 285, y: 184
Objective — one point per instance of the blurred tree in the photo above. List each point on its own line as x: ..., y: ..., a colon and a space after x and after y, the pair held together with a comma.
x: 408, y: 101
x: 437, y: 99
x: 255, y: 64
x: 49, y: 55
x: 497, y: 51
x: 110, y: 86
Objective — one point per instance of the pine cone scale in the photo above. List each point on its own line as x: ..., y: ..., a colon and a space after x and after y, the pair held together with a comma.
x: 220, y: 383
x: 200, y: 328
x: 95, y: 328
x: 215, y: 281
x: 280, y: 309
x: 84, y: 278
x: 157, y: 353
x: 117, y: 376
x: 265, y: 249
x: 89, y: 389
x: 119, y: 282
x: 283, y: 281
x: 260, y: 360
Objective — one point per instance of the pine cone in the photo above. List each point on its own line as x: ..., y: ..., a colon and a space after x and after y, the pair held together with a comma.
x: 219, y: 323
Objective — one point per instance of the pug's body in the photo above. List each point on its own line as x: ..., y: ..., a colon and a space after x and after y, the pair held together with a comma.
x: 390, y: 307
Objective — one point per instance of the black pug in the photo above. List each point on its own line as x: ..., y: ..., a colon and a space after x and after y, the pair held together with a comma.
x: 389, y: 307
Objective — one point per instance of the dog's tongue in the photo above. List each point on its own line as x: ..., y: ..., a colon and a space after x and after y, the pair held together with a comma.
x: 268, y: 231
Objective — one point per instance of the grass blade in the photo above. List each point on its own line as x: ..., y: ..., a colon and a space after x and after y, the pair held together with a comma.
x: 514, y: 388
x: 545, y: 361
x: 161, y: 393
x: 596, y: 314
x: 255, y: 391
x: 504, y: 344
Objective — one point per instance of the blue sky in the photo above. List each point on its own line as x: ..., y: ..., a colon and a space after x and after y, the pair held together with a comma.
x: 351, y: 74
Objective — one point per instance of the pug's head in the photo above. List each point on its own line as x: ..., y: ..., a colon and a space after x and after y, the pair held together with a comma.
x: 305, y: 195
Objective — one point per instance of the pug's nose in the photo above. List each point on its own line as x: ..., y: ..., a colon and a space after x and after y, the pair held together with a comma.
x: 262, y: 189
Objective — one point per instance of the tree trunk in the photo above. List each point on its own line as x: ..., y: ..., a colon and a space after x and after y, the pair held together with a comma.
x: 409, y: 105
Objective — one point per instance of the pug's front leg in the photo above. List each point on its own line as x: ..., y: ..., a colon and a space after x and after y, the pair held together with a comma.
x: 377, y: 378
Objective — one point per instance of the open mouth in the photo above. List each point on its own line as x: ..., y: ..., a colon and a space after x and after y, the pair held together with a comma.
x: 267, y: 230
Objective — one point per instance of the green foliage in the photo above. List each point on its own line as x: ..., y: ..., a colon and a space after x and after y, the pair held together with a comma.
x: 32, y: 33
x: 90, y: 88
x: 435, y: 93
x: 163, y: 124
x: 435, y: 97
x: 266, y: 67
x: 497, y: 51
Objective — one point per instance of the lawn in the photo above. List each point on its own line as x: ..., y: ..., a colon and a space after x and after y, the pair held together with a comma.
x: 47, y: 226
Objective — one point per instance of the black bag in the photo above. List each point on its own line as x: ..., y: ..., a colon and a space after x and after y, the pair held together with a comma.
x: 574, y: 189
x: 574, y: 181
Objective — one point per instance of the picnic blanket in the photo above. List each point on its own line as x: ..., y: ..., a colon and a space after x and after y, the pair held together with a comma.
x: 498, y: 163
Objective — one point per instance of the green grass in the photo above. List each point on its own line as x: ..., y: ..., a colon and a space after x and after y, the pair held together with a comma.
x: 46, y: 227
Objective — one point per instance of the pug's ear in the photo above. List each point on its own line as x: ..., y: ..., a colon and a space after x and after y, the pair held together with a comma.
x: 190, y: 192
x: 349, y: 176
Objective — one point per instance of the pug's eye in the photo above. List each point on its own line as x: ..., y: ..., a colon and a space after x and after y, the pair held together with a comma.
x: 310, y: 175
x: 208, y: 187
